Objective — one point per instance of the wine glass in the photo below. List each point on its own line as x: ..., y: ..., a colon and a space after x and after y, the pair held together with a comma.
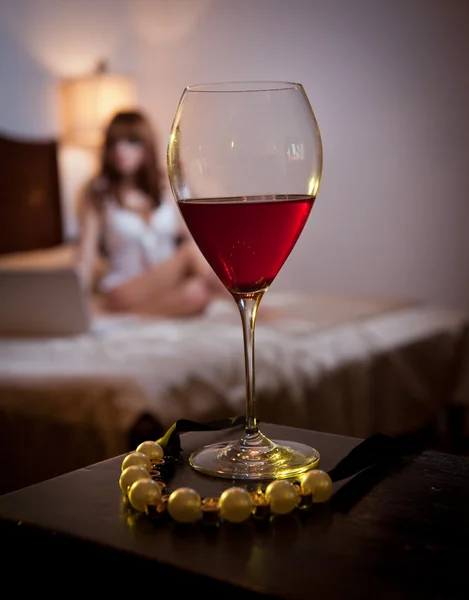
x: 244, y: 165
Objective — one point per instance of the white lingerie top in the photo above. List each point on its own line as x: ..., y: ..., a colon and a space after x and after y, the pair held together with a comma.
x: 132, y: 244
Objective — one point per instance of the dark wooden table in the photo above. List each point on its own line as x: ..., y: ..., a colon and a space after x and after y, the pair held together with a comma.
x: 399, y: 533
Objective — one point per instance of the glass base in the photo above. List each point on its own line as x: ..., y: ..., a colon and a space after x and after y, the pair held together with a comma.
x: 255, y: 457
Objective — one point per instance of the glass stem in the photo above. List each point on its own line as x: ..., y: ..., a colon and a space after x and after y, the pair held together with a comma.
x: 248, y: 305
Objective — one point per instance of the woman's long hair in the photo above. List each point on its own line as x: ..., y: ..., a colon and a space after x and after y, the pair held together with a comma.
x: 131, y: 125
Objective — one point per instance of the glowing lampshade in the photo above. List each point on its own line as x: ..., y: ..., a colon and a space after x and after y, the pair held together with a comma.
x: 87, y: 104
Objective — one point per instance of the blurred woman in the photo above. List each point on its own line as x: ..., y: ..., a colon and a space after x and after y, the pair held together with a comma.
x: 152, y: 265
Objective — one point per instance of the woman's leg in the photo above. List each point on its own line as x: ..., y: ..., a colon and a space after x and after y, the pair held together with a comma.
x: 175, y: 286
x: 190, y: 297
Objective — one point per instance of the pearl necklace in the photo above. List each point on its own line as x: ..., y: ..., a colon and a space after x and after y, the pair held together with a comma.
x: 142, y: 482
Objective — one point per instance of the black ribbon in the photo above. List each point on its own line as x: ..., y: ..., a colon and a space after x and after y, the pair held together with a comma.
x: 171, y: 440
x: 379, y: 450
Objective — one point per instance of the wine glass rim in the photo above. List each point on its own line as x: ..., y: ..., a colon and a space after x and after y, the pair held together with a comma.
x: 232, y: 87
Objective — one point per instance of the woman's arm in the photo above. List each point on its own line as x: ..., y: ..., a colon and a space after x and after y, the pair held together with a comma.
x: 88, y: 246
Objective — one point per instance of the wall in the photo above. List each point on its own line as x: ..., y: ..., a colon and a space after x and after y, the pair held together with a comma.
x: 387, y: 80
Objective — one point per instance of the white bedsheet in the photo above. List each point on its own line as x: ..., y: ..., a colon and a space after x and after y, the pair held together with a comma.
x: 351, y: 366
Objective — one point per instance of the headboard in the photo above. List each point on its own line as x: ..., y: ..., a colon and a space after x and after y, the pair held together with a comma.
x: 30, y: 202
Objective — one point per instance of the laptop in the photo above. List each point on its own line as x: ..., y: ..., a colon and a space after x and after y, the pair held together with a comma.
x: 42, y: 302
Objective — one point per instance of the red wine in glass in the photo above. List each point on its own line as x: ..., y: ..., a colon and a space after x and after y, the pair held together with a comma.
x: 247, y: 240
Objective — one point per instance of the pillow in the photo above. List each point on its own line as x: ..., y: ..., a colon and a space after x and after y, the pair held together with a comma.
x: 57, y: 257
x: 49, y: 258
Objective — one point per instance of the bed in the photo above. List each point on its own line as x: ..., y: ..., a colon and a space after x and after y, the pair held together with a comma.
x: 346, y: 365
x: 340, y: 364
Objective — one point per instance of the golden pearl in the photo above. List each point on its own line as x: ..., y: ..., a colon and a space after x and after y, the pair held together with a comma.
x: 136, y: 458
x: 132, y: 474
x: 282, y: 497
x: 144, y: 492
x: 185, y: 505
x: 235, y: 504
x: 318, y: 483
x: 153, y: 450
